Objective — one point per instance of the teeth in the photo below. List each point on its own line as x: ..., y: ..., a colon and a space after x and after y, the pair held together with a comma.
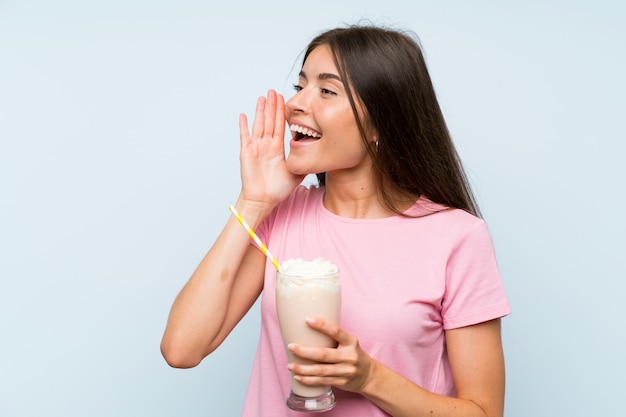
x: 304, y: 131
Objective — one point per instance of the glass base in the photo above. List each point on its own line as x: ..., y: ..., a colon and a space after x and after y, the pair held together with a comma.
x: 319, y: 404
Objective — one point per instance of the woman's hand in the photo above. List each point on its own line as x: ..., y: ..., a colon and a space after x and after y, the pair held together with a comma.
x: 476, y: 361
x: 347, y: 367
x: 264, y: 174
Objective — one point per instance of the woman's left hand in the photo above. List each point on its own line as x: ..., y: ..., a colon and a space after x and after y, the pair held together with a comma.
x: 476, y: 360
x: 347, y: 366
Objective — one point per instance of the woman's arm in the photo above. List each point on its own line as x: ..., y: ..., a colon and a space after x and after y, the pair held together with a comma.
x: 219, y: 293
x: 477, y: 363
x: 476, y: 359
x: 230, y: 277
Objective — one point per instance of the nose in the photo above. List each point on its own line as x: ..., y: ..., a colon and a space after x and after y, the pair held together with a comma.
x: 299, y: 102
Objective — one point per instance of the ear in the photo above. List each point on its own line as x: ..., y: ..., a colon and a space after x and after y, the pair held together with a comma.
x: 374, y: 141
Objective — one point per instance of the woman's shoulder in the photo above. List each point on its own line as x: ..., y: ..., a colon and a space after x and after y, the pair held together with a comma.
x: 302, y: 198
x: 304, y: 194
x: 424, y: 207
x: 300, y: 203
x: 308, y: 190
x: 452, y: 220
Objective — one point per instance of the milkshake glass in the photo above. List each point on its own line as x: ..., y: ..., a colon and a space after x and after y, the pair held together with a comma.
x: 307, y: 289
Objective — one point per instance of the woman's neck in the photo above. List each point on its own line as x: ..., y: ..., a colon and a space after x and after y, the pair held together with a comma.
x: 354, y: 197
x: 359, y: 197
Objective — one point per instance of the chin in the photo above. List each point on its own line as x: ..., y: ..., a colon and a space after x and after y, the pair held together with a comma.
x: 296, y: 170
x: 300, y: 172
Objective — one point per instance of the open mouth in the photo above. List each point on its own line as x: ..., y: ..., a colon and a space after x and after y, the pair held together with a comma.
x: 303, y: 133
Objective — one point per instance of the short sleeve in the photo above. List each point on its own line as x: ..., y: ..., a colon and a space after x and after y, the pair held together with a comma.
x: 474, y: 291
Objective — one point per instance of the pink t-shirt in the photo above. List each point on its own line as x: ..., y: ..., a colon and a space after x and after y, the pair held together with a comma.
x: 404, y: 281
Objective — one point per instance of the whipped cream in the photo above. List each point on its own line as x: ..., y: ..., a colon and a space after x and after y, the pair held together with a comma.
x: 318, y: 267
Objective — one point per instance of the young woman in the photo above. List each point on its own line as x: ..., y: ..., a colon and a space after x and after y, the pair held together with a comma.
x: 419, y: 333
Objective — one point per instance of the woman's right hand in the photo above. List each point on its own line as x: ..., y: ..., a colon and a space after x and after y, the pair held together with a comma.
x: 265, y: 178
x: 229, y: 279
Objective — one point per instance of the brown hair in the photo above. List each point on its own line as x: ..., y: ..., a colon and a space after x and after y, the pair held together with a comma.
x: 415, y: 155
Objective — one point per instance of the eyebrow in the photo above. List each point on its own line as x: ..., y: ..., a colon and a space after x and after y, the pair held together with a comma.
x: 322, y: 76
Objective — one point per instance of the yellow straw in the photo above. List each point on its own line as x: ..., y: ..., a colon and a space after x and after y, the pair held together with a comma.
x: 255, y: 237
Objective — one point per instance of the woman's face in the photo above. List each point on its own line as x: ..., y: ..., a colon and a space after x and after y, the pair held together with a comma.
x: 325, y: 135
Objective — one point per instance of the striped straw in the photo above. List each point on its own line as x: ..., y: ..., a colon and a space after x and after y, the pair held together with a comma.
x: 255, y: 237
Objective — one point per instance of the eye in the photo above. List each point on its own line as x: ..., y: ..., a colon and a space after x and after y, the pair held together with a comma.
x: 297, y: 87
x: 326, y: 91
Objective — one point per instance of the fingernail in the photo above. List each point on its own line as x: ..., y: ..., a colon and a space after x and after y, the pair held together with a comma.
x: 309, y: 320
x: 291, y: 346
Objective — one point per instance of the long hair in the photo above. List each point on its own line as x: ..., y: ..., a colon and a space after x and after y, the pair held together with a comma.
x: 415, y: 155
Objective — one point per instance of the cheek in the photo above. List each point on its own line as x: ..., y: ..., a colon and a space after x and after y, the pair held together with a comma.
x: 347, y: 152
x: 350, y: 126
x: 350, y: 139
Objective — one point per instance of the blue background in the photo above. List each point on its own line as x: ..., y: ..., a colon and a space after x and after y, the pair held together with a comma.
x: 119, y: 157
